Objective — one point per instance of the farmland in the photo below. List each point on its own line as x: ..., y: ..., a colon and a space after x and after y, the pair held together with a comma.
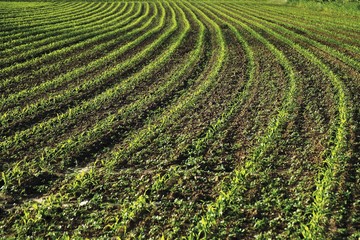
x: 179, y: 119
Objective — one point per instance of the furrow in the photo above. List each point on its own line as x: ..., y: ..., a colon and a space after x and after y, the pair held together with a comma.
x: 41, y: 33
x: 92, y: 104
x: 238, y: 179
x: 37, y: 40
x: 317, y: 33
x: 163, y: 121
x: 32, y: 93
x: 296, y: 37
x: 25, y: 31
x: 67, y: 39
x: 333, y: 22
x: 31, y: 67
x: 336, y: 161
x: 76, y: 13
x: 20, y: 16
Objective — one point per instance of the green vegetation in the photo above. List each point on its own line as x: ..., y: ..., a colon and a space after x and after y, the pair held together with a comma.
x: 179, y: 120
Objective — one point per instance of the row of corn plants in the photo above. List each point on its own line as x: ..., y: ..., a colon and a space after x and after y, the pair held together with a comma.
x: 159, y: 123
x: 240, y: 177
x: 104, y: 125
x: 122, y: 18
x: 74, y: 13
x: 22, y: 32
x: 130, y: 210
x: 69, y: 76
x: 333, y: 21
x: 333, y: 38
x: 70, y: 55
x: 337, y: 159
x: 132, y: 102
x: 99, y: 100
x: 211, y: 132
x: 40, y: 40
x: 73, y: 54
x: 345, y: 58
x: 74, y: 36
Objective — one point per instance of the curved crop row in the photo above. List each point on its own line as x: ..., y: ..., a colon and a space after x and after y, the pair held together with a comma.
x: 333, y: 38
x: 163, y: 121
x: 64, y: 40
x: 112, y: 93
x: 326, y: 179
x: 68, y: 52
x: 56, y: 82
x: 346, y: 59
x: 35, y: 34
x: 333, y: 21
x: 238, y: 178
x: 69, y: 7
x: 98, y: 101
x: 40, y: 39
x: 42, y: 27
x: 168, y: 119
x: 74, y: 13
